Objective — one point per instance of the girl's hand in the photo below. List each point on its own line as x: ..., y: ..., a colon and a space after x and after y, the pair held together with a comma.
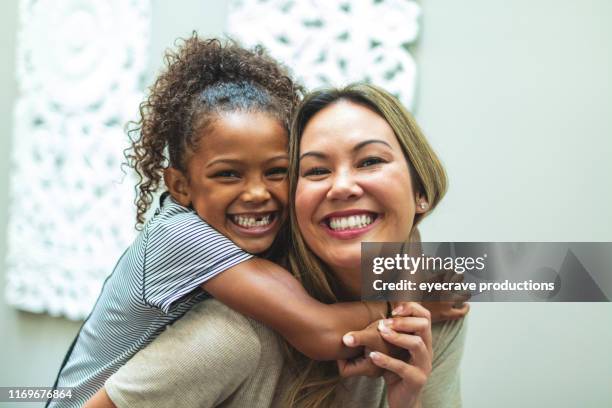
x: 371, y: 340
x: 441, y: 311
x: 411, y: 331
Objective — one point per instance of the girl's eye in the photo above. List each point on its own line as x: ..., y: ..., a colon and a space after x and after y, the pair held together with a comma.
x: 371, y: 161
x: 226, y: 174
x: 277, y: 173
x: 316, y: 171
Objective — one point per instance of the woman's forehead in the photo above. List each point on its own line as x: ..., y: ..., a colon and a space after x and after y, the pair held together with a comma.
x: 346, y: 123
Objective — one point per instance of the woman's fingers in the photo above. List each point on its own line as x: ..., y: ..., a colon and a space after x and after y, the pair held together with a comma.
x: 420, y: 326
x: 410, y: 309
x: 406, y: 324
x: 420, y: 354
x: 412, y: 375
x: 361, y: 366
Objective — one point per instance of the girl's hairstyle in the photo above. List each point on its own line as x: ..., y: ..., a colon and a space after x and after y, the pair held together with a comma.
x: 202, y: 79
x: 316, y: 382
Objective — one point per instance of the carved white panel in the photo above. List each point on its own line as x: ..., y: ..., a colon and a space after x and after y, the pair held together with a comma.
x: 80, y: 68
x: 335, y: 42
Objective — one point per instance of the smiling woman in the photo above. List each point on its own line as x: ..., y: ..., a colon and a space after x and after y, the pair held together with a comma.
x: 352, y: 167
x: 362, y: 171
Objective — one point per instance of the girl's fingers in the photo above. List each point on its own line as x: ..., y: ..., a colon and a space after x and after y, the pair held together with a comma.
x: 420, y: 355
x: 366, y: 337
x: 408, y: 373
x: 455, y: 313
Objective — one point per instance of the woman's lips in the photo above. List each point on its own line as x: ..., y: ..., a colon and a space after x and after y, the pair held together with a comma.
x: 350, y: 224
x: 253, y: 224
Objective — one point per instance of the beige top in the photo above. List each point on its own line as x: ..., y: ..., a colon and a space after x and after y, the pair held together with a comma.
x: 216, y: 357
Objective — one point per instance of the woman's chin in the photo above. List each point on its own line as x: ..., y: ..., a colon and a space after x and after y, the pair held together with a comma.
x: 346, y: 261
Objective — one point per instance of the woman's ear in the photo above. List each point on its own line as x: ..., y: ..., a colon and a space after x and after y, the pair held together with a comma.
x: 422, y: 205
x: 178, y: 186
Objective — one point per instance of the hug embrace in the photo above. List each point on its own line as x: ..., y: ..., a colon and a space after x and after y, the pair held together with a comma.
x: 243, y: 288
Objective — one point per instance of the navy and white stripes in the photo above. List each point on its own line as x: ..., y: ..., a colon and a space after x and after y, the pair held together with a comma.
x: 156, y: 281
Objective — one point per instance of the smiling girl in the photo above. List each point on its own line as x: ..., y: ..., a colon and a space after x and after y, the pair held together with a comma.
x: 214, y: 129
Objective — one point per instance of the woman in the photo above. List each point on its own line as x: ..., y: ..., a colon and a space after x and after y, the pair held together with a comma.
x: 361, y: 171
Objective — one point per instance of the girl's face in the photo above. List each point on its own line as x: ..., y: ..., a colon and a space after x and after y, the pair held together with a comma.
x: 237, y: 178
x: 354, y: 185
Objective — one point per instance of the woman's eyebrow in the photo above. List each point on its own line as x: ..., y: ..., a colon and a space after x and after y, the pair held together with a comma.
x: 319, y: 155
x: 361, y: 145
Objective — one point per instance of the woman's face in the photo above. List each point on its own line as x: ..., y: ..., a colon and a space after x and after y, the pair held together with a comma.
x: 354, y: 185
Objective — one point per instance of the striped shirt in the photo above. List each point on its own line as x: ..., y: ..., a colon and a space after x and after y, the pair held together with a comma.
x: 155, y: 282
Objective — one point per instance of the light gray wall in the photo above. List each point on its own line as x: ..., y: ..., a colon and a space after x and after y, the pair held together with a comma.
x: 516, y: 98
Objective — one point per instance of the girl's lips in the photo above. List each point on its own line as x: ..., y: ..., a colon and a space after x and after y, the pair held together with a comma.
x: 350, y: 233
x: 255, y: 231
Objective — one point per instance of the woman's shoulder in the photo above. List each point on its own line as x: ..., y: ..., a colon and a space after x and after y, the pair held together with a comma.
x: 211, y: 325
x: 203, y: 357
x: 443, y: 389
x: 448, y: 337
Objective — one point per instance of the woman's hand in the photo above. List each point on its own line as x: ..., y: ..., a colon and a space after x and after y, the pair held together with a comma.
x: 409, y: 330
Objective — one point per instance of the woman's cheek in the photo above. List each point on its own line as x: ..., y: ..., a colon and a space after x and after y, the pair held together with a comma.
x: 307, y: 199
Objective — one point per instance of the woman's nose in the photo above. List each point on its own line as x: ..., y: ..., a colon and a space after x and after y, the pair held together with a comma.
x: 344, y: 187
x: 256, y: 192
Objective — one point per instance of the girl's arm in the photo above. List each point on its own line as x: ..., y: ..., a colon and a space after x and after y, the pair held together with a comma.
x: 270, y: 294
x: 100, y: 400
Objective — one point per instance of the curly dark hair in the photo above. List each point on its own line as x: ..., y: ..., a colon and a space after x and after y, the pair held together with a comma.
x: 202, y: 78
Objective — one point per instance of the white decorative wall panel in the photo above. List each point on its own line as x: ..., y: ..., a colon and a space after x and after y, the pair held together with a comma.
x: 80, y: 70
x: 335, y: 42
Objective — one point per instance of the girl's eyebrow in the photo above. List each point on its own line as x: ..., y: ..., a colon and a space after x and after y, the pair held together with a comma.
x: 279, y: 157
x: 227, y: 161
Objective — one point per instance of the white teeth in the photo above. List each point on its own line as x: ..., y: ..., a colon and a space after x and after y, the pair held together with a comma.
x: 252, y: 222
x: 351, y: 222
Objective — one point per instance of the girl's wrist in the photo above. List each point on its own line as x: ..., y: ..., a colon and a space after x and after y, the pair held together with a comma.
x: 377, y: 310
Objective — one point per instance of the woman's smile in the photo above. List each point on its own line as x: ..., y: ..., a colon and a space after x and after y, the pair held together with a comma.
x: 350, y: 224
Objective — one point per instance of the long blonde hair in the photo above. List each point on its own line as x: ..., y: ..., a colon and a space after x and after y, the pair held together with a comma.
x: 315, y: 383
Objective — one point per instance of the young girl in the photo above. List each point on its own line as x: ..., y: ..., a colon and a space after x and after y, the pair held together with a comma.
x: 215, y: 129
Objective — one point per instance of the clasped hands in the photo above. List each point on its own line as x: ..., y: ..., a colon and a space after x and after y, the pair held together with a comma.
x: 399, y: 348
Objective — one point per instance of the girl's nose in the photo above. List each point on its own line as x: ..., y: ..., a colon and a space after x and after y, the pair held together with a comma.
x: 344, y: 187
x: 256, y: 192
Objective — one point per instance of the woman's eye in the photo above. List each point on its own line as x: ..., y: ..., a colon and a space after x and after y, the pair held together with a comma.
x: 371, y: 161
x: 316, y: 171
x: 277, y: 172
x: 226, y: 174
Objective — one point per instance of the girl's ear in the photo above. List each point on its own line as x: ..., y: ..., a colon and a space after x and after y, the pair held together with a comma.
x: 178, y: 186
x: 422, y: 206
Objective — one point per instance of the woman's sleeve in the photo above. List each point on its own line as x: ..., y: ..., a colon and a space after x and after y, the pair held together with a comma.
x: 443, y: 386
x: 199, y: 361
x: 181, y: 253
